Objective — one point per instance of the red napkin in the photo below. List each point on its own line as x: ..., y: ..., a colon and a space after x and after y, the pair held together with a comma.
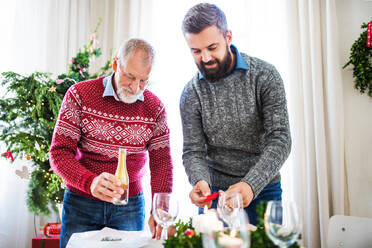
x: 211, y: 197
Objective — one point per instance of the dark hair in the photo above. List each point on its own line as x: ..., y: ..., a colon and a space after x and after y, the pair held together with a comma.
x: 204, y: 15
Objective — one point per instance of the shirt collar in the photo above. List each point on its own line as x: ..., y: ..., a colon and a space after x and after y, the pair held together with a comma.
x: 240, y: 62
x: 109, y: 89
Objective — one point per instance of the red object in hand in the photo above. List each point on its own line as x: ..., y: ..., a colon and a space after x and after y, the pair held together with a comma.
x: 211, y: 197
x: 8, y: 155
x: 52, y: 229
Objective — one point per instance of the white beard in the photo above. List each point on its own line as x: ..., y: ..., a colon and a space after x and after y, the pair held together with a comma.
x: 125, y: 97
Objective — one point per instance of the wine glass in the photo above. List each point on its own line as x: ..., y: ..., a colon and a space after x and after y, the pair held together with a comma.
x: 229, y: 205
x: 282, y: 223
x: 165, y: 211
x: 230, y: 237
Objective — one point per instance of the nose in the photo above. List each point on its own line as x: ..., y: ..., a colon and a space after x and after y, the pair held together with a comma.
x: 134, y: 85
x: 206, y: 57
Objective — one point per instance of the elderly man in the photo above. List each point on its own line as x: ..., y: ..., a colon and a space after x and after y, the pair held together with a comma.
x: 234, y: 116
x: 97, y: 117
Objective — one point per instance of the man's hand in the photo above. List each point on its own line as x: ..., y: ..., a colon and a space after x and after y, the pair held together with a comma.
x: 156, y: 229
x: 199, y: 192
x: 105, y: 187
x: 245, y: 190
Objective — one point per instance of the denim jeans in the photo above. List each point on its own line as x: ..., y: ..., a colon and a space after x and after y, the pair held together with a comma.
x: 81, y: 214
x: 269, y: 192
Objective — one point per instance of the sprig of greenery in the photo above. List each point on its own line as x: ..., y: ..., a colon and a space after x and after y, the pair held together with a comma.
x: 361, y: 58
x: 181, y: 239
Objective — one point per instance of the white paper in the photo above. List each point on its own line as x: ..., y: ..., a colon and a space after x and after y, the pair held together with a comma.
x: 93, y: 239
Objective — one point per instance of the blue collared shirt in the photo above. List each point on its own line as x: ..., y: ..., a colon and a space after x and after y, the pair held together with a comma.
x: 240, y: 62
x: 109, y: 89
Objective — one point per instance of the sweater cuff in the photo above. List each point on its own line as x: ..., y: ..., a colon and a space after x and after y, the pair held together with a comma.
x: 197, y: 178
x: 87, y: 184
x: 256, y: 181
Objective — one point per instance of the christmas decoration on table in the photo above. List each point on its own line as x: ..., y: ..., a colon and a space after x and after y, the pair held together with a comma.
x: 28, y: 112
x: 361, y: 58
x: 189, y: 234
x: 216, y: 235
x: 185, y: 237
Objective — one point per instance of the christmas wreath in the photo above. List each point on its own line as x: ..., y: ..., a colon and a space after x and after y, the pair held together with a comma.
x: 361, y: 58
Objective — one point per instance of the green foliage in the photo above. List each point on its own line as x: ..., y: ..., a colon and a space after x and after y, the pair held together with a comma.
x: 181, y: 240
x: 361, y: 58
x: 28, y: 112
x: 259, y: 239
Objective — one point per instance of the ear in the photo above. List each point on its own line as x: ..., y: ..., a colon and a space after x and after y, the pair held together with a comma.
x: 229, y: 37
x: 115, y: 64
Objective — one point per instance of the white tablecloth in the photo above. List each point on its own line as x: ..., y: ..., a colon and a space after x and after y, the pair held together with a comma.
x: 154, y: 244
x: 124, y: 239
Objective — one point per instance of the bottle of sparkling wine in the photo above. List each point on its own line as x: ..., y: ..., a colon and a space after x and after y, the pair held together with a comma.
x: 122, y: 174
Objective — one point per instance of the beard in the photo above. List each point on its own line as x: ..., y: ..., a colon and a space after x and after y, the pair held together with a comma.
x: 123, y: 95
x: 219, y: 71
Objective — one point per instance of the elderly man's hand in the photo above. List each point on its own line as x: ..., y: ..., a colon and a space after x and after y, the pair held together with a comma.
x: 106, y: 187
x: 199, y: 192
x: 245, y: 190
x: 156, y: 229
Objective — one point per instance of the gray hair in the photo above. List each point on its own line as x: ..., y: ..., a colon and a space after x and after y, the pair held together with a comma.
x: 129, y: 47
x: 204, y: 15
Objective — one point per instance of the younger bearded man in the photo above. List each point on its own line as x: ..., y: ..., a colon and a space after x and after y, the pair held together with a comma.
x: 234, y: 116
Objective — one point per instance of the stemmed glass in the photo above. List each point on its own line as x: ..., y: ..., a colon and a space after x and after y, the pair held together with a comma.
x: 237, y: 236
x: 165, y: 211
x: 229, y: 205
x: 282, y: 223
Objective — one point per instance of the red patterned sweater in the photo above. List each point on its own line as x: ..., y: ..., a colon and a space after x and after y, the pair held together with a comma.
x: 90, y: 129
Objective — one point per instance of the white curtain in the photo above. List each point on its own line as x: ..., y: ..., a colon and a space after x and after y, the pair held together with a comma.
x: 43, y: 35
x: 316, y: 112
x: 16, y: 223
x: 37, y: 36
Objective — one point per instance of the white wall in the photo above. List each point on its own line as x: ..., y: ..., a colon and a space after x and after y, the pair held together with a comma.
x: 357, y: 111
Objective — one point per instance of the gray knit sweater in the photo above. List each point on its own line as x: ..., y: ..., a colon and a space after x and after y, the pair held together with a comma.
x: 236, y: 129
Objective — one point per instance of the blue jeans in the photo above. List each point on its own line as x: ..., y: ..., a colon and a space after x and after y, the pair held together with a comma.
x: 269, y: 192
x: 81, y: 214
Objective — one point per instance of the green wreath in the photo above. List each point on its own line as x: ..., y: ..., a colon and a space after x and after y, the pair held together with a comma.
x: 361, y: 58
